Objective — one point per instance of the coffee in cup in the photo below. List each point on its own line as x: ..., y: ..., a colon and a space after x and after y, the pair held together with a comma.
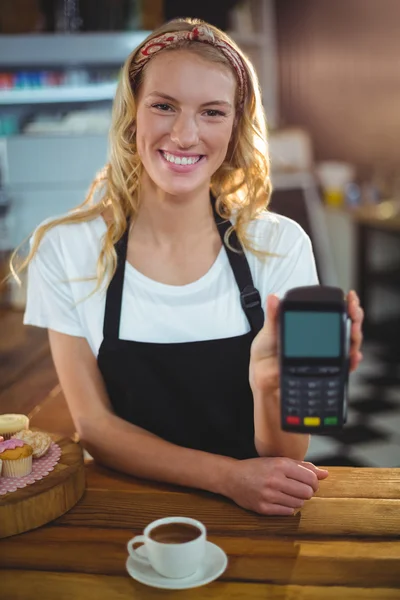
x: 175, y: 533
x: 174, y: 546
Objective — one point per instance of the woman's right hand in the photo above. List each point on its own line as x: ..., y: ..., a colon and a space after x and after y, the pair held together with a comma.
x: 273, y: 486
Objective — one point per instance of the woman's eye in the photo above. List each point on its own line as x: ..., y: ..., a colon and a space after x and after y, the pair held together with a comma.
x: 163, y: 107
x: 215, y: 113
x: 209, y: 113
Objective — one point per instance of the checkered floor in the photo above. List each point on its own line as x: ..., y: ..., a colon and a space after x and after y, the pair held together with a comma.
x: 371, y: 436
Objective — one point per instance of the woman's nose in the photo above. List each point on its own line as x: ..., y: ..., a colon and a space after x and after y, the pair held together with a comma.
x: 185, y: 132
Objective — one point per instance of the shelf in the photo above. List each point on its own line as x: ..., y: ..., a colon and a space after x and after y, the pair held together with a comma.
x: 40, y: 50
x: 85, y: 93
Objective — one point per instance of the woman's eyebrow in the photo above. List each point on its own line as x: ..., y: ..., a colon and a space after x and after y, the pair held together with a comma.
x: 213, y: 102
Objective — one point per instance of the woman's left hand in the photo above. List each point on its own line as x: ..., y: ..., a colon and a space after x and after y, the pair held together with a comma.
x: 264, y: 360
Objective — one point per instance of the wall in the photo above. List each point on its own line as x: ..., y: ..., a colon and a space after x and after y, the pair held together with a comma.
x: 47, y: 176
x: 339, y: 71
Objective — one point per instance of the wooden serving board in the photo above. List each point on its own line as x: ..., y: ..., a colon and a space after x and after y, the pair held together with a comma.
x: 46, y: 499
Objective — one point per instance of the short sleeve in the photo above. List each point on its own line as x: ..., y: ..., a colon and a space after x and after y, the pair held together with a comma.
x: 298, y: 268
x: 50, y: 302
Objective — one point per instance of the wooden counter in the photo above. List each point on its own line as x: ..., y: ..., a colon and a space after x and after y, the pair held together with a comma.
x: 343, y: 544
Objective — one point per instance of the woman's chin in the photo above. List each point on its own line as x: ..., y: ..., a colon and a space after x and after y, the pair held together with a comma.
x: 181, y: 187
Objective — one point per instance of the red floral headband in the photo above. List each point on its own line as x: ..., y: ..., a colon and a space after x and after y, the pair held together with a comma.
x: 200, y: 33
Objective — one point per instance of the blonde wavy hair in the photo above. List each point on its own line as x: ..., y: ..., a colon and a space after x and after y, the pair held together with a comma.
x: 241, y: 185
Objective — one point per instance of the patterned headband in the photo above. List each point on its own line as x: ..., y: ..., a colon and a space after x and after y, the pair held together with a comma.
x: 200, y: 33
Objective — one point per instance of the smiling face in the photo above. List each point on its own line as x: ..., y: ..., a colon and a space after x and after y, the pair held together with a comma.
x: 185, y: 116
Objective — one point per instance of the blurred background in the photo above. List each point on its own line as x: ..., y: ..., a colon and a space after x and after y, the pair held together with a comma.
x: 330, y: 79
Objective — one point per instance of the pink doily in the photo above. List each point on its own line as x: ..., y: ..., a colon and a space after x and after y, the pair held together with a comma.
x: 40, y: 468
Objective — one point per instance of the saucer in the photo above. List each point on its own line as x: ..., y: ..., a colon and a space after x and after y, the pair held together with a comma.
x: 214, y: 564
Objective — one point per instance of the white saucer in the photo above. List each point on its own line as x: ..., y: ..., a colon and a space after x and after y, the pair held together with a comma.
x: 214, y: 564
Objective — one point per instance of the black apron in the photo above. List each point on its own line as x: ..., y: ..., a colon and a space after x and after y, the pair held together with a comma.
x: 194, y: 394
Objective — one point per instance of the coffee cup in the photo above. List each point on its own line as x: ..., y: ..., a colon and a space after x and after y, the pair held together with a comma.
x: 174, y: 546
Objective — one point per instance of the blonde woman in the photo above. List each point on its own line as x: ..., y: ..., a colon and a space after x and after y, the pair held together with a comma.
x: 155, y: 322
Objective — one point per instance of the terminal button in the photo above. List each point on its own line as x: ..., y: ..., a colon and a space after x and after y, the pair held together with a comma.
x: 329, y: 370
x: 312, y: 403
x: 333, y: 383
x: 293, y: 383
x: 293, y: 402
x: 313, y: 384
x: 293, y: 420
x: 332, y: 402
x: 313, y: 394
x: 312, y: 421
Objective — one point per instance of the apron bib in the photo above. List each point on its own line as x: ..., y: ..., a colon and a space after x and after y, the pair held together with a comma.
x: 194, y: 394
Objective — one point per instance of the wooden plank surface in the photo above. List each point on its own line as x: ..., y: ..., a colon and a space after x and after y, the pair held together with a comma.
x: 27, y: 373
x: 20, y: 347
x: 319, y: 516
x: 333, y: 541
x: 47, y: 586
x: 30, y: 387
x: 342, y: 482
x: 52, y: 414
x: 251, y: 558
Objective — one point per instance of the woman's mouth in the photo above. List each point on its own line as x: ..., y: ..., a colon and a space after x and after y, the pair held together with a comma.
x: 181, y: 164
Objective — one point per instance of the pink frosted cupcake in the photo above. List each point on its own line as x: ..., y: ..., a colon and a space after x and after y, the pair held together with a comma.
x: 16, y: 457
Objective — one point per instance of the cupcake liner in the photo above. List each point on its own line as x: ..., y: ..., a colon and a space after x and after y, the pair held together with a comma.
x: 41, y: 467
x: 8, y: 436
x: 17, y: 468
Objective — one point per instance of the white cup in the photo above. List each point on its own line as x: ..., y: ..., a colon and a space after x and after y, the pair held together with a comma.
x: 175, y: 560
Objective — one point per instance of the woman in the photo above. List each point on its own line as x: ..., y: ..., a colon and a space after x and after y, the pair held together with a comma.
x: 153, y: 311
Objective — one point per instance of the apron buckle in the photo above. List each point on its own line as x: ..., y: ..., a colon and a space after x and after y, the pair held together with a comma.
x: 250, y: 297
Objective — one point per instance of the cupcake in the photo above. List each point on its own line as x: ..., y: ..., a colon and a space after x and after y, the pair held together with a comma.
x: 39, y: 440
x: 10, y: 424
x: 16, y: 457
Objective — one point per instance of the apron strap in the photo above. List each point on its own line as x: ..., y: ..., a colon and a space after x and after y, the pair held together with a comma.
x: 112, y: 314
x: 249, y: 295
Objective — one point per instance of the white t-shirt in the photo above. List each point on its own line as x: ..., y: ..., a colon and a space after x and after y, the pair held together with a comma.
x: 208, y: 308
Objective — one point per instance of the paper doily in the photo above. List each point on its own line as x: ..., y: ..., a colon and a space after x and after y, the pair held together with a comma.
x: 40, y: 468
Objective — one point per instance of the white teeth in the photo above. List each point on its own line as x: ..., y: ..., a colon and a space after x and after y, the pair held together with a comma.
x: 184, y: 160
